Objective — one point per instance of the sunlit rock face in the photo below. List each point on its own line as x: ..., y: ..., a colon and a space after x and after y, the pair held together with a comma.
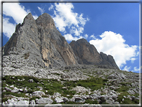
x: 40, y: 43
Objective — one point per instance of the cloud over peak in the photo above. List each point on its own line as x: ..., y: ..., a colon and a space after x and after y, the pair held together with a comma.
x: 68, y: 20
x: 15, y: 11
x: 41, y: 10
x: 114, y: 44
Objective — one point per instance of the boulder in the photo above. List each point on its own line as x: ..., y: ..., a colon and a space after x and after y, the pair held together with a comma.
x: 44, y: 101
x: 38, y: 93
x: 32, y: 103
x: 31, y: 80
x: 59, y: 99
x: 7, y: 89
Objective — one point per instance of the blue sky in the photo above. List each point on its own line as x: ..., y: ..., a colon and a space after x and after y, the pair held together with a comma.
x: 113, y: 28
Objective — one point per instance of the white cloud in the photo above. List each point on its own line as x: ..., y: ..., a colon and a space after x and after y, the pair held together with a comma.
x: 136, y: 69
x: 82, y: 20
x: 51, y: 7
x: 126, y: 68
x: 15, y: 11
x: 8, y: 28
x: 132, y: 60
x: 92, y: 36
x: 65, y: 10
x: 69, y: 37
x: 60, y: 23
x: 35, y: 17
x: 114, y: 44
x: 41, y: 10
x: 76, y: 30
x: 86, y: 36
x: 67, y: 20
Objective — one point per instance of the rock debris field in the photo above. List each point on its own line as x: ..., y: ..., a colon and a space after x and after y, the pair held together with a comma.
x: 70, y: 85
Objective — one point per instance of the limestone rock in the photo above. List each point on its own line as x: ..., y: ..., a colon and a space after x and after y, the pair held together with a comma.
x: 38, y: 93
x: 85, y: 52
x: 44, y: 101
x: 59, y: 99
x: 88, y: 54
x: 39, y: 44
x: 107, y: 61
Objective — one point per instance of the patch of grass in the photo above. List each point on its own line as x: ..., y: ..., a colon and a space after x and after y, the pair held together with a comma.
x: 25, y: 83
x: 70, y: 84
x: 14, y: 94
x: 68, y: 92
x: 92, y: 83
x: 122, y: 89
x: 4, y: 99
x: 51, y: 85
x: 126, y: 100
x: 90, y: 101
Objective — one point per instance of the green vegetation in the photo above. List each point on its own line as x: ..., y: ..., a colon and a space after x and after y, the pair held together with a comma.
x: 90, y: 101
x: 92, y: 83
x: 126, y: 100
x: 50, y: 86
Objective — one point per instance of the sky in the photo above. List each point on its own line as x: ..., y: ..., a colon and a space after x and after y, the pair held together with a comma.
x: 113, y: 28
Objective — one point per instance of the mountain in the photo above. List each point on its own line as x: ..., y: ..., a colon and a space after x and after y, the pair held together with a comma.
x: 79, y: 74
x: 39, y: 43
x: 88, y: 54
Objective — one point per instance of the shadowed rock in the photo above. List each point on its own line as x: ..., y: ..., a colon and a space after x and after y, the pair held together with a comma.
x: 88, y: 54
x: 85, y: 52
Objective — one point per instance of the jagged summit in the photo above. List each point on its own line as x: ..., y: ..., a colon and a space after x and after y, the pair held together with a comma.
x: 40, y: 44
x: 46, y: 21
x: 88, y: 54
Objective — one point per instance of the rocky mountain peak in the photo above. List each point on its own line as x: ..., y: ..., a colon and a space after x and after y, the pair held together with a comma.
x: 85, y: 52
x: 88, y: 54
x: 28, y: 19
x: 82, y: 40
x: 39, y: 44
x: 45, y: 21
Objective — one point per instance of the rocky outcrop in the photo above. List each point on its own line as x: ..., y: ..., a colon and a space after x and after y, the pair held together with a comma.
x: 39, y: 43
x: 85, y: 52
x: 107, y: 61
x: 88, y: 54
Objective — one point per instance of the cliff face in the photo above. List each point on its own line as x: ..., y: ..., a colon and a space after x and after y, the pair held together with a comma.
x: 107, y: 61
x: 40, y: 42
x: 85, y: 52
x: 88, y: 54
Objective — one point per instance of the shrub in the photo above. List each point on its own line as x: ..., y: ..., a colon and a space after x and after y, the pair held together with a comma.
x: 33, y: 98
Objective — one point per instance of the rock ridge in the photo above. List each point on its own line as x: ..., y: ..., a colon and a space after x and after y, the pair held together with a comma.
x: 40, y: 44
x: 88, y: 54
